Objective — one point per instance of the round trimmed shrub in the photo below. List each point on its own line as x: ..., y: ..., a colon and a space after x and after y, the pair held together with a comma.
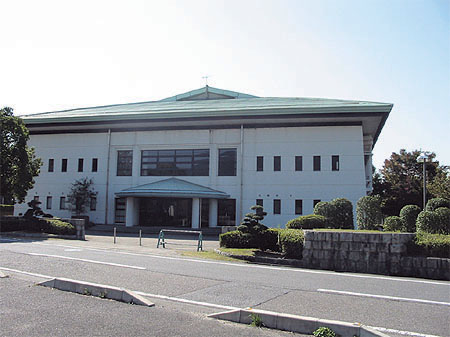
x: 291, y: 242
x: 235, y: 239
x: 342, y: 213
x: 307, y: 222
x: 428, y: 222
x: 409, y: 215
x: 325, y: 209
x: 436, y: 203
x: 443, y: 214
x: 393, y: 224
x: 368, y: 212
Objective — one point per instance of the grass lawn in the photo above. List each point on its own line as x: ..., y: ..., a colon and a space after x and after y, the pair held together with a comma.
x: 211, y: 255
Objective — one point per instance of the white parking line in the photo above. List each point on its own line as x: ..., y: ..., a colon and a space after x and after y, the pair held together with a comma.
x: 90, y: 261
x: 403, y: 299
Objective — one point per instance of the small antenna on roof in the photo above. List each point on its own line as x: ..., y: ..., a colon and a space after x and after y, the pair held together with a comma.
x: 206, y: 79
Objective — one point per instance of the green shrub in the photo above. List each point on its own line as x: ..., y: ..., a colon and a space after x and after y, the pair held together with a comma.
x: 307, y: 222
x: 338, y: 212
x: 12, y: 224
x: 235, y: 239
x: 393, y: 224
x: 436, y: 203
x: 428, y: 222
x: 56, y: 226
x: 426, y: 244
x: 325, y: 209
x: 324, y: 332
x: 409, y: 215
x: 6, y: 210
x: 291, y: 242
x: 368, y: 212
x: 443, y: 214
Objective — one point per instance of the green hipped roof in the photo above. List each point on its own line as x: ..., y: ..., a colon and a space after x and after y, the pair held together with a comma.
x: 172, y: 187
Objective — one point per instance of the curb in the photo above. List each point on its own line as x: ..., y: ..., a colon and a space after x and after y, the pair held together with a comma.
x: 98, y: 290
x: 265, y: 260
x: 39, y: 235
x: 295, y: 323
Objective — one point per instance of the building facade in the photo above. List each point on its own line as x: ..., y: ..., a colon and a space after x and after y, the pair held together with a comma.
x: 203, y: 158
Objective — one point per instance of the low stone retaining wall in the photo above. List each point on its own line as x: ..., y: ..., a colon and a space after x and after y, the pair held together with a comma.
x: 376, y: 253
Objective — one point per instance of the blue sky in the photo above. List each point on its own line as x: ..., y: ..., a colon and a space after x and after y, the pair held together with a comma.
x: 63, y: 54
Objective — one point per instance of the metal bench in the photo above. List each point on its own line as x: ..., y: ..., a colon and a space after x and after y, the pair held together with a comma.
x: 162, y: 238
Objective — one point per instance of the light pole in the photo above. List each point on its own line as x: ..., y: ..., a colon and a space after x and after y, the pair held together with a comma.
x: 424, y: 156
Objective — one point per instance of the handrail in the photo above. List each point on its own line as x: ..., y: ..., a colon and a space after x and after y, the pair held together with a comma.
x: 162, y: 241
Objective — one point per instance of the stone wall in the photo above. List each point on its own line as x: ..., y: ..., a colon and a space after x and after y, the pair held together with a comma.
x: 375, y: 253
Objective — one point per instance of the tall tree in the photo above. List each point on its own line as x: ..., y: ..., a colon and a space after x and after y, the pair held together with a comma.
x: 18, y: 163
x: 400, y: 181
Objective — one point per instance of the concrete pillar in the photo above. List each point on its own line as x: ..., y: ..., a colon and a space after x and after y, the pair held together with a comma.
x: 131, y: 213
x: 195, y: 213
x: 212, y: 212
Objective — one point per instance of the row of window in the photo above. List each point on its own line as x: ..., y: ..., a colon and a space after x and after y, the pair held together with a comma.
x: 64, y: 163
x: 62, y: 203
x: 298, y: 163
x: 277, y: 205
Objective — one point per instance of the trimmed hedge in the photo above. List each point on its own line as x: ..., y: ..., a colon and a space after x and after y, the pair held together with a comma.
x: 409, y: 215
x: 291, y: 242
x: 437, y: 222
x: 235, y: 239
x: 50, y: 226
x: 338, y: 213
x: 393, y: 224
x: 310, y: 221
x: 435, y: 203
x: 6, y: 209
x: 56, y: 226
x: 368, y: 212
x: 426, y: 244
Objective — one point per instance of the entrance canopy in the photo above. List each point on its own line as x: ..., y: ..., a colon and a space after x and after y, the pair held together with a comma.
x: 172, y: 188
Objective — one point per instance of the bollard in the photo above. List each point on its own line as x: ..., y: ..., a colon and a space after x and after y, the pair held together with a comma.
x: 114, y: 235
x: 140, y: 237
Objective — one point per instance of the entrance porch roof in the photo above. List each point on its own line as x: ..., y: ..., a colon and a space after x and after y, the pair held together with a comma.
x: 172, y: 188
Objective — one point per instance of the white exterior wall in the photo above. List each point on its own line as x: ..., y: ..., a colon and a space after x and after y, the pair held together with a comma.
x: 287, y: 185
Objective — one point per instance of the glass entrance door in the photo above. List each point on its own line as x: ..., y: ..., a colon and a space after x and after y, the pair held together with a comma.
x: 165, y: 212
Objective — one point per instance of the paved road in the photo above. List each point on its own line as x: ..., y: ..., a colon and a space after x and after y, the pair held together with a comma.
x: 402, y: 304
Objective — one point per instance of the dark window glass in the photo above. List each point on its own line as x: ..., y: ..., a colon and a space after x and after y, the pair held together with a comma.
x: 298, y: 163
x: 316, y: 164
x: 93, y: 203
x: 175, y: 162
x: 80, y: 164
x: 51, y: 165
x: 276, y: 206
x: 94, y: 164
x: 298, y: 206
x: 277, y: 163
x: 335, y: 163
x: 226, y: 212
x: 260, y: 163
x: 227, y: 162
x: 315, y: 202
x: 260, y: 202
x: 62, y: 203
x: 49, y: 203
x: 124, y: 163
x: 120, y: 210
x: 64, y: 165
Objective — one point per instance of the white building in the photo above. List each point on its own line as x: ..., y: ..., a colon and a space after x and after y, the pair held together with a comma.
x: 203, y: 158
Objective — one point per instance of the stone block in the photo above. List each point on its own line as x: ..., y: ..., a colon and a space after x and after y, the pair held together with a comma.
x: 327, y: 245
x: 386, y: 238
x: 345, y: 237
x: 325, y: 264
x: 343, y: 254
x: 344, y: 246
x: 309, y: 235
x: 397, y: 248
x: 354, y: 256
x: 382, y: 247
x: 335, y: 237
x: 355, y: 246
x: 372, y: 237
x: 307, y: 245
x: 329, y: 236
x: 432, y: 262
x: 407, y: 262
x: 394, y: 258
x: 361, y: 266
x: 317, y: 244
x: 361, y: 237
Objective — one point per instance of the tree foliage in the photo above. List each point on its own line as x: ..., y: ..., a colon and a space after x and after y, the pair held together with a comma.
x: 80, y: 195
x: 400, y: 181
x: 368, y: 212
x: 18, y: 163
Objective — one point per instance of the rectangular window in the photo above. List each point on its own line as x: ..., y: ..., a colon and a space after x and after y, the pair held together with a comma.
x: 335, y: 163
x: 120, y: 210
x: 80, y: 164
x: 298, y: 206
x: 276, y: 206
x: 226, y: 212
x: 227, y: 162
x: 49, y: 203
x: 316, y: 164
x: 298, y: 163
x: 175, y: 162
x: 93, y: 203
x: 51, y: 165
x: 260, y: 202
x: 260, y: 163
x: 315, y: 202
x: 124, y: 163
x: 64, y: 165
x: 277, y: 163
x: 62, y: 203
x: 94, y: 164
